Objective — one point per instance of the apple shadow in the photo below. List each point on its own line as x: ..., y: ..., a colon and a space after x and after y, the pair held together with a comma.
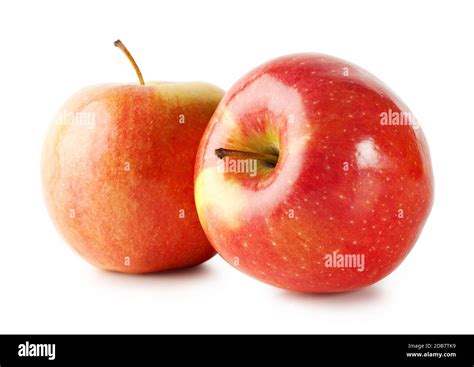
x: 371, y: 294
x: 172, y: 277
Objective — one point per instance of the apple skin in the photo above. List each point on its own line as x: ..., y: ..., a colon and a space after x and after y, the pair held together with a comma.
x: 346, y: 183
x: 117, y: 173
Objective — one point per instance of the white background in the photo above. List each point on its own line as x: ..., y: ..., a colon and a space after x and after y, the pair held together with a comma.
x: 50, y: 49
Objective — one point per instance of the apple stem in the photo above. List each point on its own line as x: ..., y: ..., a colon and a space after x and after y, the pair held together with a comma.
x: 127, y: 53
x: 269, y: 159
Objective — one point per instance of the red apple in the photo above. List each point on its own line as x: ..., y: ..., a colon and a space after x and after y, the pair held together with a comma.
x: 117, y: 171
x: 343, y: 184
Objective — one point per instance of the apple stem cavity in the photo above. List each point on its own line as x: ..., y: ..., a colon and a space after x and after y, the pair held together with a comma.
x: 127, y: 53
x: 270, y: 160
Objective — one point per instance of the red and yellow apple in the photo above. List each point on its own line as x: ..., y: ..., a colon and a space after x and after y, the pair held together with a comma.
x: 343, y: 181
x: 117, y: 172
